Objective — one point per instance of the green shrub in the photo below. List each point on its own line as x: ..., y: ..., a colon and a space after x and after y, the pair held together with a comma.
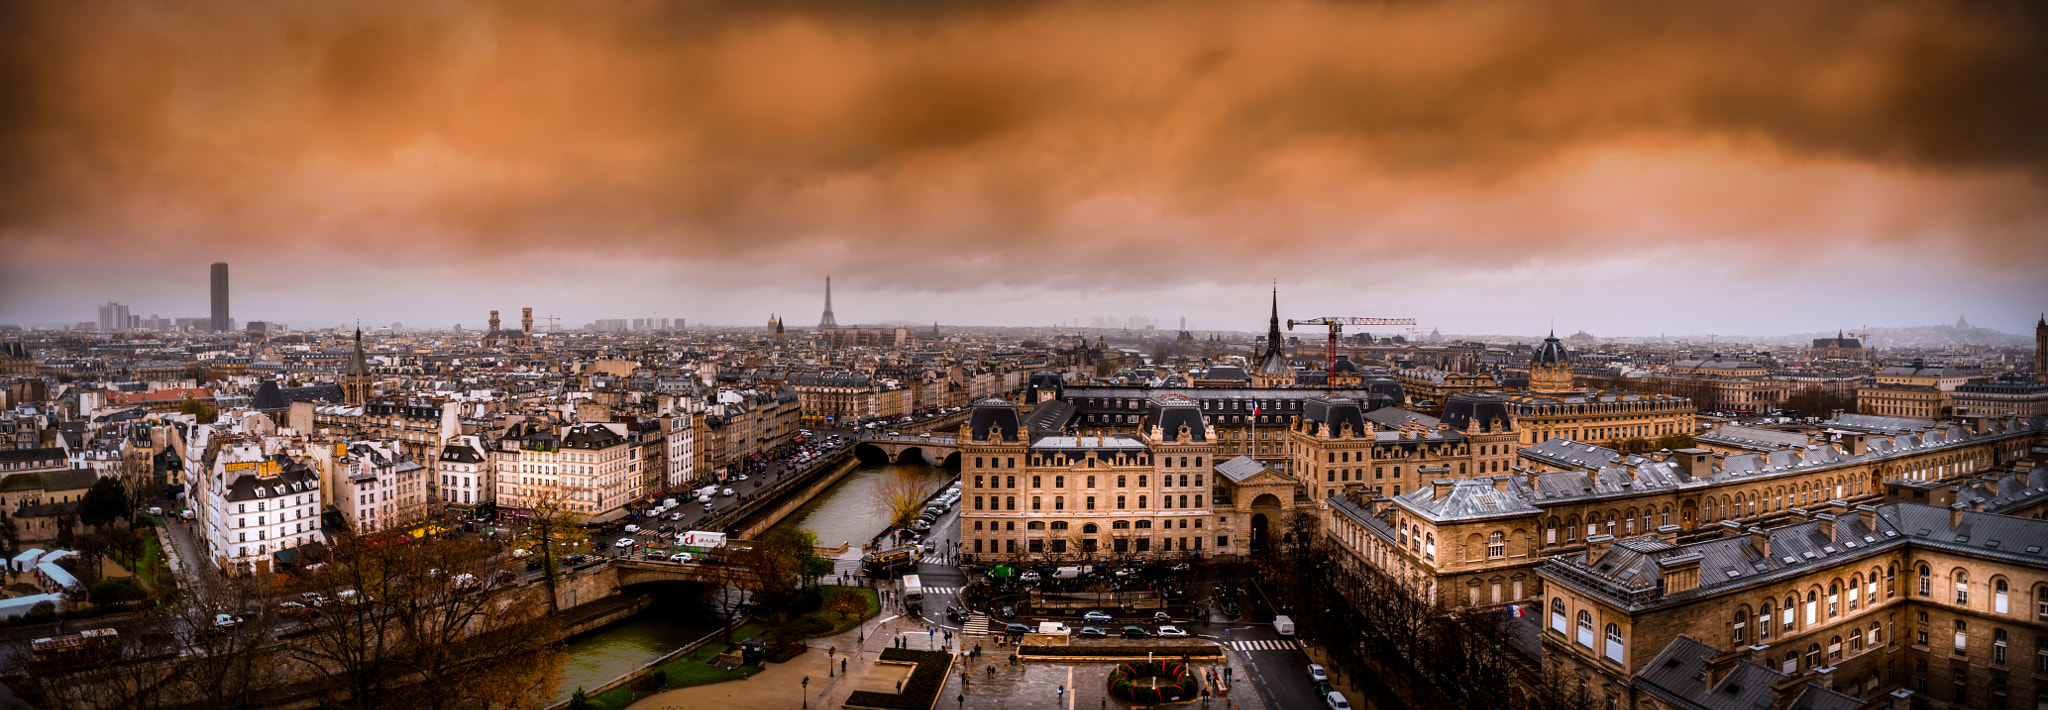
x: 807, y: 601
x: 41, y: 613
x: 115, y: 591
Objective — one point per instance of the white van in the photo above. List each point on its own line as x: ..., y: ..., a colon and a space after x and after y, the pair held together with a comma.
x: 1337, y: 701
x: 632, y: 528
x: 1284, y: 625
x: 1066, y: 573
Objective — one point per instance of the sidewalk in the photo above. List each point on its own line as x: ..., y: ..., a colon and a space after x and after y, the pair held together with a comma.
x: 780, y: 685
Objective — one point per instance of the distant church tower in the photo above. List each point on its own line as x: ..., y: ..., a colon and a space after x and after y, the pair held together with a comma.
x: 1272, y: 369
x: 1550, y: 369
x: 2041, y: 349
x: 828, y: 321
x: 355, y: 384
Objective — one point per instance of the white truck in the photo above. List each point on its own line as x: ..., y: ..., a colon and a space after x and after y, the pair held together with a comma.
x: 700, y: 540
x: 1284, y: 625
x: 913, y: 593
x: 1053, y: 628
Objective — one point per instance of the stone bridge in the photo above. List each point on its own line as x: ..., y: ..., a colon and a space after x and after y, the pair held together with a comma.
x: 935, y: 449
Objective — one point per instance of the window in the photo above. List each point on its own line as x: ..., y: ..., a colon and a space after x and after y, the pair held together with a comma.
x: 1034, y: 503
x: 1834, y: 600
x: 977, y: 502
x: 1585, y: 628
x: 1739, y: 633
x: 1835, y: 648
x: 1962, y: 588
x: 1614, y: 643
x: 1010, y: 503
x: 1119, y: 502
x: 1998, y: 646
x: 2041, y: 603
x: 1496, y: 545
x: 1763, y: 621
x: 1034, y: 481
x: 1557, y: 622
x: 1926, y: 581
x: 1998, y: 590
x: 1091, y: 502
x: 1962, y: 635
x: 1812, y: 656
x: 1812, y: 609
x: 2041, y: 654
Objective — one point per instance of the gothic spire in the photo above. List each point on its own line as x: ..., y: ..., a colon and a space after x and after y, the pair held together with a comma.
x: 1273, y: 325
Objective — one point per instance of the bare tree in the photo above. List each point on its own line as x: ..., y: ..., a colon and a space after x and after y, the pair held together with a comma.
x: 433, y: 622
x: 554, y: 525
x: 901, y: 493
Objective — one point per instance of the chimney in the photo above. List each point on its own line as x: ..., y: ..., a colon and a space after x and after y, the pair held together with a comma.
x: 1760, y: 540
x: 1827, y: 525
x: 1955, y: 515
x: 1698, y: 463
x: 1838, y: 507
x: 1442, y: 487
x: 1721, y: 664
x: 1668, y: 533
x: 1857, y: 444
x: 1680, y: 573
x: 1867, y: 515
x: 1991, y: 486
x: 1976, y: 505
x: 1596, y: 545
x: 1593, y: 477
x: 1504, y: 484
x: 1660, y: 455
x: 1730, y: 528
x: 1837, y: 414
x: 1533, y: 475
x: 1800, y: 515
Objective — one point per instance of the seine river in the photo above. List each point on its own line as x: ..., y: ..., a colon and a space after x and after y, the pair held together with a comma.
x: 846, y: 512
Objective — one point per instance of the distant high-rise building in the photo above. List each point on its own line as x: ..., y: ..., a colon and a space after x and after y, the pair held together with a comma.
x: 220, y: 297
x: 113, y: 316
x: 2041, y: 349
x: 828, y: 321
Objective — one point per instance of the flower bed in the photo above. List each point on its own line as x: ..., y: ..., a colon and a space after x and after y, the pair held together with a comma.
x: 1185, y: 685
x: 927, y: 680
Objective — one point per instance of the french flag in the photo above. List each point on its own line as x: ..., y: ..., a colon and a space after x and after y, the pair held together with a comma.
x: 1517, y: 611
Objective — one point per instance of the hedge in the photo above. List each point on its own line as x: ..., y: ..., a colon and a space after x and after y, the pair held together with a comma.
x: 920, y: 692
x: 1122, y: 651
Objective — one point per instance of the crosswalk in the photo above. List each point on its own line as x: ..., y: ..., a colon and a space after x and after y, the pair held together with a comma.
x: 977, y: 625
x: 1266, y: 645
x: 941, y: 590
x: 934, y: 560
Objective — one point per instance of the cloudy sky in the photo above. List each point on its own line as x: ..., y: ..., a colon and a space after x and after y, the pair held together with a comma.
x: 1615, y: 166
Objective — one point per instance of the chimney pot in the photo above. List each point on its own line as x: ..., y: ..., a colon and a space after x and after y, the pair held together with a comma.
x: 1730, y: 528
x: 1827, y: 525
x: 1955, y: 515
x: 1721, y: 664
x: 1442, y: 487
x: 1867, y: 515
x: 1596, y: 545
x: 1668, y: 533
x: 1760, y: 540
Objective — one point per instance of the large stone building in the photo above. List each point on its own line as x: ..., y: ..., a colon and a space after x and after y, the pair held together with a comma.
x: 1055, y: 497
x: 584, y: 469
x: 1840, y: 347
x: 256, y: 507
x: 1896, y: 605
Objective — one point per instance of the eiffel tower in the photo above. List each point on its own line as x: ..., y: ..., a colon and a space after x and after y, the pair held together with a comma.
x: 828, y: 321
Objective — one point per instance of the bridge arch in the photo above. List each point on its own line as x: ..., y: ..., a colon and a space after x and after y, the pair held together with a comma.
x: 872, y: 454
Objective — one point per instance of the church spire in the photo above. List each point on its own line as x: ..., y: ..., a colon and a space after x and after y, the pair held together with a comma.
x: 1273, y: 325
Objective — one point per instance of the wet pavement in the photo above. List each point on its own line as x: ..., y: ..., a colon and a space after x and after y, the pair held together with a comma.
x: 1037, y: 685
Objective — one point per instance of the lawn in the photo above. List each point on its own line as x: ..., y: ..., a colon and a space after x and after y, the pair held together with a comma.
x: 152, y: 555
x: 872, y: 605
x: 693, y: 668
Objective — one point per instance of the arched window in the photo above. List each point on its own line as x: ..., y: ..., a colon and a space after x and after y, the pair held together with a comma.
x: 1090, y: 529
x: 1034, y: 525
x: 1855, y: 590
x: 1926, y: 581
x: 1739, y: 633
x: 1614, y: 643
x: 1998, y: 590
x: 1834, y: 600
x: 1835, y: 648
x: 1557, y: 622
x: 1962, y: 588
x: 2041, y: 605
x: 1812, y: 656
x: 1059, y: 525
x: 1496, y: 545
x: 1812, y: 609
x: 1429, y: 546
x: 1998, y: 646
x: 1891, y: 578
x: 1789, y: 611
x: 1585, y: 628
x: 1763, y: 620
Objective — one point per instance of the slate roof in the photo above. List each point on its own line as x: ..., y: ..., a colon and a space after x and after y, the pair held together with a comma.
x: 1551, y: 352
x: 1172, y: 412
x: 1468, y: 499
x: 1753, y: 438
x: 1082, y: 445
x: 1627, y: 573
x: 995, y: 416
x: 1565, y: 453
x: 1874, y: 424
x: 1678, y: 675
x: 1480, y: 408
x: 1396, y: 417
x: 1239, y: 469
x: 1333, y: 415
x: 1050, y: 417
x: 293, y: 478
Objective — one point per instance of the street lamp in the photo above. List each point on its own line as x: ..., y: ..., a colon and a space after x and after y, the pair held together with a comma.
x: 807, y: 691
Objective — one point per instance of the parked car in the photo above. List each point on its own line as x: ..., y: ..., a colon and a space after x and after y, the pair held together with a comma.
x: 1136, y: 632
x: 1095, y: 617
x: 1090, y: 632
x: 1336, y: 701
x: 226, y: 621
x: 623, y: 543
x: 1007, y: 611
x: 1028, y: 577
x: 1172, y: 632
x: 680, y: 557
x: 725, y: 492
x: 1016, y: 629
x: 1161, y: 617
x: 1316, y: 672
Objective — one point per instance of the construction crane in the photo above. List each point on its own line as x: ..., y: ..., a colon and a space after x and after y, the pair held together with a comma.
x: 1336, y: 326
x: 554, y: 323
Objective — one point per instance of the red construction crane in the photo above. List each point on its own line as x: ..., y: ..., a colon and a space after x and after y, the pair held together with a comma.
x: 1336, y: 325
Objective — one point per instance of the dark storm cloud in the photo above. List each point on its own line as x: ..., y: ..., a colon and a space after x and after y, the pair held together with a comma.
x: 955, y: 141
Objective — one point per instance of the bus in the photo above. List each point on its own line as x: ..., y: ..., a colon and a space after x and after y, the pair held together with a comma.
x: 83, y: 649
x: 890, y: 562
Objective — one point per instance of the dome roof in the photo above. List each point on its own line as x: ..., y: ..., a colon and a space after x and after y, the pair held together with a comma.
x: 1484, y: 408
x: 1552, y: 352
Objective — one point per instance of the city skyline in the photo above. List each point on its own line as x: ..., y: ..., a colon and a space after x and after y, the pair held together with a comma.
x: 1622, y: 170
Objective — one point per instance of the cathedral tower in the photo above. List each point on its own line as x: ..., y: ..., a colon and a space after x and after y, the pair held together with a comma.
x: 1272, y: 369
x: 355, y: 384
x: 1550, y: 370
x: 2041, y: 349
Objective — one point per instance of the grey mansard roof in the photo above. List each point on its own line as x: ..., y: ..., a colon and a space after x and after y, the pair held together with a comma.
x: 1678, y: 676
